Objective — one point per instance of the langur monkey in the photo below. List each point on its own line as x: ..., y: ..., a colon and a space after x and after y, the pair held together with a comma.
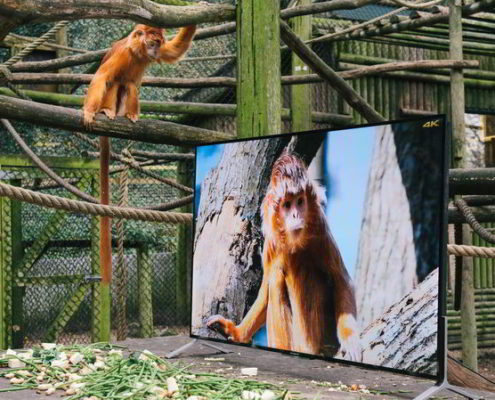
x: 306, y: 298
x: 114, y: 89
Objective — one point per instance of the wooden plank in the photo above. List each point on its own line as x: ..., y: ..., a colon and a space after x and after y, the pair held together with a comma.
x: 258, y: 68
x: 301, y: 94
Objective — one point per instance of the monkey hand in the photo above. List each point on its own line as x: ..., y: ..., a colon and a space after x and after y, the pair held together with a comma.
x: 109, y: 113
x: 223, y: 326
x: 347, y: 333
x: 133, y: 117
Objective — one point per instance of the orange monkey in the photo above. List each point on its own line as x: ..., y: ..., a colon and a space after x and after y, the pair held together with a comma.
x: 114, y: 89
x: 306, y: 296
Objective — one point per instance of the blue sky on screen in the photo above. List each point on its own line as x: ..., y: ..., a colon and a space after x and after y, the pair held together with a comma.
x: 347, y: 162
x: 348, y: 159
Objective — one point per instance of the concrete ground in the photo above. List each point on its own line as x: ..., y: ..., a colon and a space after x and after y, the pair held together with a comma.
x: 302, y: 375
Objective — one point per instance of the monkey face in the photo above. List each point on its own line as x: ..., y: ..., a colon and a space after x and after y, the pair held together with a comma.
x: 294, y: 209
x: 147, y: 41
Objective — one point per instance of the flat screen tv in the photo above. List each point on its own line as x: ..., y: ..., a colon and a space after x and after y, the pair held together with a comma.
x: 327, y: 243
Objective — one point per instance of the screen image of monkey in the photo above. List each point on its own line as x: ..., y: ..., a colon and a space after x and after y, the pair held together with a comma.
x: 325, y: 243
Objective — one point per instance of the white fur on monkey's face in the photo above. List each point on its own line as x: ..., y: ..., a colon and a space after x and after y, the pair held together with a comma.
x: 294, y: 210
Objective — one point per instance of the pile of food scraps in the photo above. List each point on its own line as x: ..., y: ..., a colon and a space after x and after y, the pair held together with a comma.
x: 101, y: 371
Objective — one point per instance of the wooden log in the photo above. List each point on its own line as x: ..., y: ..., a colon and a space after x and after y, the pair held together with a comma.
x: 472, y: 181
x: 47, y: 78
x: 182, y: 107
x: 411, y: 24
x: 300, y: 96
x: 258, y: 69
x: 141, y: 11
x: 145, y: 131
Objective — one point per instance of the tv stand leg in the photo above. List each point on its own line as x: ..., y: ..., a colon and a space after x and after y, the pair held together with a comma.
x: 181, y: 349
x: 447, y: 386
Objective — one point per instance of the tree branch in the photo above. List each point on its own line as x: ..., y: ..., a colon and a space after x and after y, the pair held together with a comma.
x: 144, y: 131
x: 141, y: 11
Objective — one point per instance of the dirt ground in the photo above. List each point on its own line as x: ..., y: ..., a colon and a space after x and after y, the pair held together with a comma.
x: 308, y: 377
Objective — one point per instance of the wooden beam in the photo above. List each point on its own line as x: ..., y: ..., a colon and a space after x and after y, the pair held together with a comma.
x: 479, y: 181
x: 141, y: 11
x: 321, y: 68
x: 258, y: 92
x: 300, y: 96
x: 151, y: 131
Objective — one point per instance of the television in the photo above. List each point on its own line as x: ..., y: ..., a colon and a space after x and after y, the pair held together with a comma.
x: 328, y: 243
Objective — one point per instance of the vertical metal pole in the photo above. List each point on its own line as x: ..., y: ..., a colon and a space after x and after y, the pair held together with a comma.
x: 105, y: 241
x: 457, y: 110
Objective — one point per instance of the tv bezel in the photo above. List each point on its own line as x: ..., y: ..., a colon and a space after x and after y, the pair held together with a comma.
x: 440, y: 376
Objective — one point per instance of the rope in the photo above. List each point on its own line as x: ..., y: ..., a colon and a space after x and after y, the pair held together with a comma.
x: 62, y: 203
x: 47, y: 170
x: 121, y: 267
x: 461, y: 250
x: 466, y: 212
x: 38, y: 42
x: 134, y: 164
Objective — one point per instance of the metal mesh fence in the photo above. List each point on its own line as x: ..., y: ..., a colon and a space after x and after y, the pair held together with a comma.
x: 54, y: 275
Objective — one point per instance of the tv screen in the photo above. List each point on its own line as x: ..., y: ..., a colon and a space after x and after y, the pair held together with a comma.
x: 325, y: 243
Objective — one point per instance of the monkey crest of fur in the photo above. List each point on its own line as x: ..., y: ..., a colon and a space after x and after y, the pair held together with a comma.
x: 289, y: 177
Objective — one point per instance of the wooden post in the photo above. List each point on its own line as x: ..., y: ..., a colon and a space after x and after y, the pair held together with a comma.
x: 105, y: 241
x: 145, y: 281
x: 5, y: 274
x: 258, y: 68
x: 96, y: 299
x: 457, y: 110
x: 184, y: 249
x: 17, y: 255
x: 301, y: 94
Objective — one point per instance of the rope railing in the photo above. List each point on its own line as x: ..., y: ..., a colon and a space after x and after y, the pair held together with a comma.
x: 62, y: 203
x: 462, y: 250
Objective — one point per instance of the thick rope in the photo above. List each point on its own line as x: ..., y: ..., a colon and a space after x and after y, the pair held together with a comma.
x: 466, y: 212
x: 121, y: 267
x: 62, y: 203
x: 461, y: 250
x: 45, y: 168
x: 37, y: 43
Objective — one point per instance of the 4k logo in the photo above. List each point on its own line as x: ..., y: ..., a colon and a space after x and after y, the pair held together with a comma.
x: 432, y: 124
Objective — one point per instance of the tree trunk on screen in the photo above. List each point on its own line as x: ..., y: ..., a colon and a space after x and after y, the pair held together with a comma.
x: 405, y: 336
x: 374, y: 272
x: 400, y: 218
